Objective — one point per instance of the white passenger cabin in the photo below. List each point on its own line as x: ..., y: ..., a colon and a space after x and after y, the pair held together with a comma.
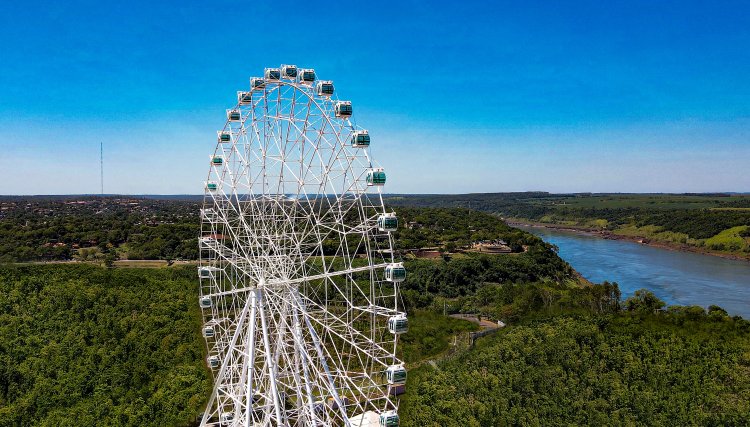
x: 289, y: 72
x: 360, y: 139
x: 398, y: 324
x: 213, y: 362
x: 307, y: 76
x: 396, y: 374
x: 389, y: 419
x: 388, y: 222
x: 324, y: 88
x: 208, y: 272
x: 343, y: 109
x: 395, y: 272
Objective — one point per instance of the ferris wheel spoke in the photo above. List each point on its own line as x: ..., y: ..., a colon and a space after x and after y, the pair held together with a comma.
x: 299, y: 280
x: 249, y: 367
x: 269, y: 362
x: 344, y: 379
x: 226, y: 359
x: 341, y: 329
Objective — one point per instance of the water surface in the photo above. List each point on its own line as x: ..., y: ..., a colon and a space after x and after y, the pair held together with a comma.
x: 681, y: 278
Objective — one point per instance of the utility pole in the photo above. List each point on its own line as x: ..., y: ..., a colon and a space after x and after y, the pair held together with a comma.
x: 101, y: 165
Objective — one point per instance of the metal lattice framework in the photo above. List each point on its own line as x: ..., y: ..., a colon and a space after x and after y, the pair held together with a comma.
x: 299, y: 284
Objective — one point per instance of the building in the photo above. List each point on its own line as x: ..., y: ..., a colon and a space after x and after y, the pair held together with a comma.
x: 491, y: 246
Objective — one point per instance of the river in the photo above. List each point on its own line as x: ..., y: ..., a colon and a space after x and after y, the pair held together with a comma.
x: 681, y: 278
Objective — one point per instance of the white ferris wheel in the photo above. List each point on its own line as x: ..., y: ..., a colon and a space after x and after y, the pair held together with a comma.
x: 299, y: 283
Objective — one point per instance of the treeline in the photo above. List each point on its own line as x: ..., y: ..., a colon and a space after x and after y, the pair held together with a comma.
x: 126, y: 228
x: 687, y: 219
x: 86, y: 346
x: 37, y: 229
x: 696, y: 223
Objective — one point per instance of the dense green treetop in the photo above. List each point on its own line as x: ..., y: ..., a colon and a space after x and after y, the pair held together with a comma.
x: 582, y: 369
x: 84, y: 346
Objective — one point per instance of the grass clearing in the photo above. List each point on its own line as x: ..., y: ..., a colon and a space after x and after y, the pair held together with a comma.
x: 730, y: 240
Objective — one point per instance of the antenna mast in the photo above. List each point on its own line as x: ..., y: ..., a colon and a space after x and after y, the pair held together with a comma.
x: 101, y: 165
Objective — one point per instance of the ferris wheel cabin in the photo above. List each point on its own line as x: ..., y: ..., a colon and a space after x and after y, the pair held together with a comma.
x: 396, y: 375
x: 207, y: 272
x: 398, y: 324
x: 272, y: 74
x: 324, y: 88
x: 212, y: 186
x: 205, y: 302
x: 289, y: 71
x: 343, y: 109
x: 388, y: 222
x: 208, y: 331
x: 389, y: 419
x: 307, y: 76
x: 224, y: 136
x: 234, y: 115
x: 376, y: 176
x: 360, y: 139
x: 245, y: 98
x: 257, y: 83
x: 217, y: 161
x: 395, y: 272
x: 213, y: 362
x: 226, y: 418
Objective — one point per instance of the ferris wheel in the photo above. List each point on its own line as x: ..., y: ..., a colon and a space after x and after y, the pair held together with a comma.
x: 299, y: 283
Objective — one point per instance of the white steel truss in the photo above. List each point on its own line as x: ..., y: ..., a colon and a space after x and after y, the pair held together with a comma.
x: 295, y: 301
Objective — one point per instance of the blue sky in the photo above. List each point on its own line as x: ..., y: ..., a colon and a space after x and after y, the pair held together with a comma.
x: 631, y: 96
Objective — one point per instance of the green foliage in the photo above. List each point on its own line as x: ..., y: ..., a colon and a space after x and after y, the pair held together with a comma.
x: 733, y: 240
x: 591, y: 370
x: 430, y: 334
x: 35, y: 228
x: 64, y: 228
x: 82, y: 345
x: 463, y: 276
x: 454, y: 228
x: 644, y: 301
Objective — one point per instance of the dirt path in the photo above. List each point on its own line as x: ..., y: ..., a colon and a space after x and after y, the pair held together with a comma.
x: 484, y: 323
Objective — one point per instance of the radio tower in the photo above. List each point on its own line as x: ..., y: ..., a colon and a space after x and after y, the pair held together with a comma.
x: 101, y: 165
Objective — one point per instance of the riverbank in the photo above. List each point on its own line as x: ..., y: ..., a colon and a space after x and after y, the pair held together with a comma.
x: 643, y: 240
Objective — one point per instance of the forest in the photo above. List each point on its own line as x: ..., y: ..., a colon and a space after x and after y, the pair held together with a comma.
x: 82, y: 344
x: 92, y: 228
x: 87, y: 345
x: 585, y: 369
x: 95, y: 228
